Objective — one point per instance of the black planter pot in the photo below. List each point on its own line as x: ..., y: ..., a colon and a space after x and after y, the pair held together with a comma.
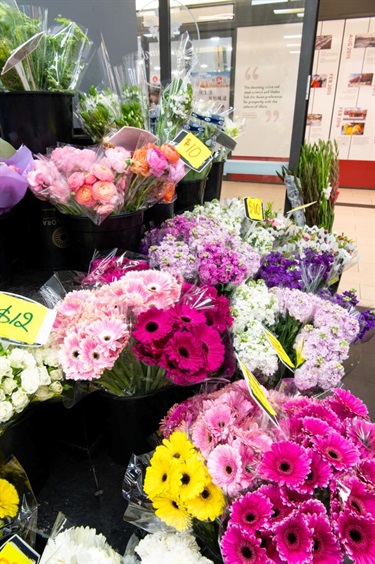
x: 133, y: 419
x: 214, y: 182
x: 122, y: 231
x: 189, y: 194
x: 36, y: 119
x: 155, y: 216
x: 5, y: 250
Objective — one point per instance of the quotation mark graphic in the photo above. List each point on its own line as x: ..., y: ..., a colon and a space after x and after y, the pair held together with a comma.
x: 251, y: 73
x: 275, y: 115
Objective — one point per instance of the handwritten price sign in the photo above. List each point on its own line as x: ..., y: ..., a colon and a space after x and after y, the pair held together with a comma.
x: 254, y: 209
x: 192, y: 151
x: 23, y: 320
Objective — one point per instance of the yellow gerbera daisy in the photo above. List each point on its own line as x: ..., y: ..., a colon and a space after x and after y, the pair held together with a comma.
x: 179, y: 446
x: 162, y: 475
x: 193, y: 478
x: 9, y: 499
x: 208, y: 505
x: 172, y: 512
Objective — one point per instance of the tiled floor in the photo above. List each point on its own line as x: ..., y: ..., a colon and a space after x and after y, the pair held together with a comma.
x: 354, y: 216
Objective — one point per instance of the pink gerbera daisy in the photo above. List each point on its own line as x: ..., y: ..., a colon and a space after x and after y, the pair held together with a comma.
x: 362, y: 433
x: 152, y: 325
x: 323, y: 412
x: 360, y: 498
x: 224, y: 465
x: 326, y: 549
x: 319, y: 475
x: 366, y: 470
x: 93, y: 355
x: 161, y: 284
x: 241, y: 547
x: 294, y: 539
x: 202, y: 437
x: 212, y: 346
x: 279, y: 509
x: 251, y: 511
x: 109, y: 331
x: 187, y: 316
x: 345, y: 404
x: 337, y: 450
x: 314, y: 426
x: 357, y: 533
x: 183, y: 351
x: 286, y: 464
x: 219, y: 420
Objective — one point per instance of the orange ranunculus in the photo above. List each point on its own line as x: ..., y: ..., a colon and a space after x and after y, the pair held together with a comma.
x: 103, y: 191
x: 84, y: 196
x: 170, y: 152
x: 169, y: 190
x: 140, y: 164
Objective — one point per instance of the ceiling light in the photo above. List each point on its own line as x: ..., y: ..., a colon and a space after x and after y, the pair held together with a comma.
x: 261, y: 2
x: 215, y: 38
x: 293, y: 36
x: 294, y: 52
x: 289, y: 11
x: 204, y: 66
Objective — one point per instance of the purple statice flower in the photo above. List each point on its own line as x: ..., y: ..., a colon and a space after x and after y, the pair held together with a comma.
x: 277, y: 270
x: 173, y: 256
x: 180, y: 227
x: 315, y: 267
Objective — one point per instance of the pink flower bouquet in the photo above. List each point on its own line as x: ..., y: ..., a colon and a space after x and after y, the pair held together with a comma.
x: 300, y: 492
x: 98, y: 184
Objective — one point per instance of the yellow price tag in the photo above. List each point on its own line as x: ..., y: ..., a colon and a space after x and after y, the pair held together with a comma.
x: 11, y: 554
x: 254, y: 209
x: 192, y: 150
x: 280, y: 351
x: 334, y: 281
x: 23, y: 320
x: 257, y: 392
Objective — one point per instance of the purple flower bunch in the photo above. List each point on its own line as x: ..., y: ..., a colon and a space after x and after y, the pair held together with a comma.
x: 302, y: 492
x: 200, y: 250
x: 278, y: 270
x: 348, y: 300
x: 186, y: 340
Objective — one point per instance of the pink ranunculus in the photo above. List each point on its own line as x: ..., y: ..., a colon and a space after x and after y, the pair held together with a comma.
x: 105, y: 209
x: 104, y: 192
x: 102, y: 172
x: 60, y: 191
x: 157, y: 162
x: 76, y: 180
x: 176, y: 172
x: 90, y: 178
x: 117, y: 157
x: 84, y: 196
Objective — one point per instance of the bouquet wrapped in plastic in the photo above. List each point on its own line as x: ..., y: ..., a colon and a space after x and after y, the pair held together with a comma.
x: 13, y: 180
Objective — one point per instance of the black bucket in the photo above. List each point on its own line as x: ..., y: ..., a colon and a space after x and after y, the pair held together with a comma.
x: 159, y: 213
x: 123, y: 231
x: 5, y: 250
x: 36, y: 119
x: 214, y: 182
x: 189, y: 194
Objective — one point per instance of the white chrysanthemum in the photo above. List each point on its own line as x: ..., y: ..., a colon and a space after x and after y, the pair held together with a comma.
x: 169, y: 548
x: 19, y: 358
x: 79, y: 545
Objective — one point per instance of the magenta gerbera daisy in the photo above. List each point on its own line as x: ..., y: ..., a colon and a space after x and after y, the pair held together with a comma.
x: 213, y: 348
x: 286, y: 464
x: 326, y: 549
x: 345, y: 404
x: 337, y: 450
x: 319, y: 475
x: 186, y: 316
x: 251, y: 511
x: 152, y: 325
x: 183, y: 351
x: 224, y: 465
x: 279, y: 509
x: 360, y: 498
x: 241, y: 547
x: 323, y: 412
x: 357, y: 533
x: 294, y: 539
x: 366, y: 469
x: 362, y: 433
x: 314, y: 426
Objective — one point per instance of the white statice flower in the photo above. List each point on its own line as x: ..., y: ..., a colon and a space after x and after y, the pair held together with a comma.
x: 252, y: 300
x: 30, y: 380
x: 8, y: 385
x: 6, y: 411
x: 5, y: 367
x: 79, y: 545
x: 255, y: 350
x: 19, y: 400
x: 261, y: 239
x: 20, y: 358
x: 170, y: 548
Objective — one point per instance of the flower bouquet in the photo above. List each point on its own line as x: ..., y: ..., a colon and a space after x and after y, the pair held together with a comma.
x: 98, y: 184
x: 57, y: 62
x: 300, y: 491
x: 13, y: 171
x: 201, y: 250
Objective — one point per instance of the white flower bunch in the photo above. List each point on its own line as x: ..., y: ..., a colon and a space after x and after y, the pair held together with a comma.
x: 255, y: 350
x: 230, y: 213
x: 79, y: 545
x: 170, y: 548
x: 253, y: 301
x: 26, y: 375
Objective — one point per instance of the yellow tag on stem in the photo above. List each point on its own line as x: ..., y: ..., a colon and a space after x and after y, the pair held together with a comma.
x: 257, y: 392
x: 280, y: 351
x: 254, y: 209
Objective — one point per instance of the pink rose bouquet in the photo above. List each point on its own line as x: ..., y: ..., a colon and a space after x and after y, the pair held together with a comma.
x: 98, y: 184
